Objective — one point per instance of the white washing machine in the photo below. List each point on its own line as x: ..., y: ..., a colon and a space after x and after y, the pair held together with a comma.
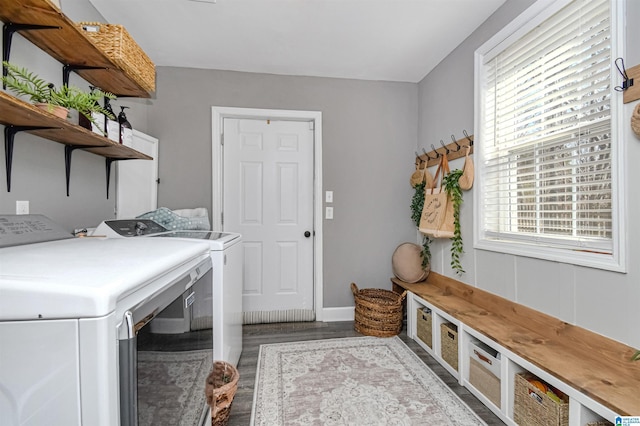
x: 226, y: 258
x: 72, y: 313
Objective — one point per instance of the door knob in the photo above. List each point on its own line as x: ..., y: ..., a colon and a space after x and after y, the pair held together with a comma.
x: 307, y: 234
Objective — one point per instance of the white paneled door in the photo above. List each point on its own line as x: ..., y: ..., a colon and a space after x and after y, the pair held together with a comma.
x: 268, y: 198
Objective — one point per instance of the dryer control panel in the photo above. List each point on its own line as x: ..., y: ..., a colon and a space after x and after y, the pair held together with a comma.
x: 28, y: 229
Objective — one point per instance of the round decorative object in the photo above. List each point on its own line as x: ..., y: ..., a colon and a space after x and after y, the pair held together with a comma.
x: 407, y: 263
x: 635, y: 120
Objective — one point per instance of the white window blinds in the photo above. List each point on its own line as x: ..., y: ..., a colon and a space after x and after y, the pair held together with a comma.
x: 546, y: 133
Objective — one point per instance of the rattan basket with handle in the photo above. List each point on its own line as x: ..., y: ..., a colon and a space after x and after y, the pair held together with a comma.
x: 378, y: 312
x: 221, y: 387
x: 118, y: 45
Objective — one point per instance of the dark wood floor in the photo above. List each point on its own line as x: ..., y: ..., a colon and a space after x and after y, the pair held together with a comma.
x: 255, y: 335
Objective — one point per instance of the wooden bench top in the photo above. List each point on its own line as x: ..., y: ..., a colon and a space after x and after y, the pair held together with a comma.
x: 597, y: 366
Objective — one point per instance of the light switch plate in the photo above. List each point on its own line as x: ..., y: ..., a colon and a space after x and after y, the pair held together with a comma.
x: 328, y: 213
x: 328, y: 196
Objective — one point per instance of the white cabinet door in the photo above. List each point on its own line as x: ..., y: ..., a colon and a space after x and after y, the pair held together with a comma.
x: 137, y: 180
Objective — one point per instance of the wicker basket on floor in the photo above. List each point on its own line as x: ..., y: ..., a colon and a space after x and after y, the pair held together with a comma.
x: 378, y: 312
x: 221, y: 387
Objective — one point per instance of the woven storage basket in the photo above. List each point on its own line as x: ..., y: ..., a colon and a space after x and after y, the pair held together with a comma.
x: 378, y: 312
x: 449, y: 343
x: 424, y: 327
x: 116, y: 43
x: 484, y: 381
x: 533, y: 407
x: 221, y: 387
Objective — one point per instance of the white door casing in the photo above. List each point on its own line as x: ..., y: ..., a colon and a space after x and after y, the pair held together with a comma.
x: 268, y: 198
x: 312, y: 120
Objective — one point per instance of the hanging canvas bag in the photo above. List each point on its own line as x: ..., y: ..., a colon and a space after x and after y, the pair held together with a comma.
x: 437, y: 220
x: 466, y: 180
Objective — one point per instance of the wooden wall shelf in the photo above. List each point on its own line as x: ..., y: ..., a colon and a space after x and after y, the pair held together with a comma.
x: 17, y: 115
x: 69, y: 46
x: 15, y: 112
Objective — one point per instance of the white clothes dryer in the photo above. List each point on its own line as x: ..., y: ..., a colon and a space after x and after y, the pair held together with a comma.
x: 73, y: 323
x: 226, y: 294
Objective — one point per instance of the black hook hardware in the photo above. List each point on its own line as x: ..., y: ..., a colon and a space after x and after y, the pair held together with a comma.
x: 626, y: 82
x: 466, y: 135
x: 428, y: 156
x: 453, y: 138
x: 446, y: 150
x: 435, y: 150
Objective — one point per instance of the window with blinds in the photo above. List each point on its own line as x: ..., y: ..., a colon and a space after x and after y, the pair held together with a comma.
x: 547, y: 169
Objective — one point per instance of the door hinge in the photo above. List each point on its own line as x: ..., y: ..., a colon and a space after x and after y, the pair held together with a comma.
x: 222, y: 139
x: 222, y: 218
x: 312, y: 125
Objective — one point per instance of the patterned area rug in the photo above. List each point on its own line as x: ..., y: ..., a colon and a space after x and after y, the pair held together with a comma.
x: 171, y: 387
x: 352, y: 381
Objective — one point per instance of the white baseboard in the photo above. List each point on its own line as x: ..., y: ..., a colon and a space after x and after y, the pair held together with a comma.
x: 338, y: 314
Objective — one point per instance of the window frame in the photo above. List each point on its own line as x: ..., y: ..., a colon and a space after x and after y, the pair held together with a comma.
x: 528, y: 20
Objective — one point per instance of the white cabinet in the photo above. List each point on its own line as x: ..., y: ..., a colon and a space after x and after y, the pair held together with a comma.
x: 582, y: 409
x: 137, y: 180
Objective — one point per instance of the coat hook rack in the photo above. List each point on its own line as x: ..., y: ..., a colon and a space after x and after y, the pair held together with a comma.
x: 453, y: 150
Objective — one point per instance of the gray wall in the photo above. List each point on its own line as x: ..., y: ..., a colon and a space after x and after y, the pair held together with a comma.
x: 602, y: 301
x: 369, y: 135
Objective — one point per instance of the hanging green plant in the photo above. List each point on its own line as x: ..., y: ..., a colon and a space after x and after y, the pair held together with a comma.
x: 417, y: 202
x: 452, y: 186
x: 636, y: 356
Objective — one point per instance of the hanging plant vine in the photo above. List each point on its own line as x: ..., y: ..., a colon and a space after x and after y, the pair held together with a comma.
x: 452, y: 186
x: 417, y: 202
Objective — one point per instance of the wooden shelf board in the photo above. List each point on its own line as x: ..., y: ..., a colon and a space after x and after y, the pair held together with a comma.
x: 69, y: 46
x: 14, y: 111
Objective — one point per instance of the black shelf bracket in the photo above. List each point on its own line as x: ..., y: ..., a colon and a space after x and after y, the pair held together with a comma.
x: 9, y: 137
x: 67, y: 68
x: 108, y: 161
x: 68, y: 151
x: 7, y: 36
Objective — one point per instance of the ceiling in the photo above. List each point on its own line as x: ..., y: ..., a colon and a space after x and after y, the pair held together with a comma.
x: 390, y: 40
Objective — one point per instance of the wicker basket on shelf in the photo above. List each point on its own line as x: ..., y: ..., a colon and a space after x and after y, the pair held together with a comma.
x: 116, y: 43
x: 378, y: 312
x: 221, y: 387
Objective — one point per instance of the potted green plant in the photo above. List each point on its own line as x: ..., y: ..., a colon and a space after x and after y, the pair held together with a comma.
x: 47, y: 96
